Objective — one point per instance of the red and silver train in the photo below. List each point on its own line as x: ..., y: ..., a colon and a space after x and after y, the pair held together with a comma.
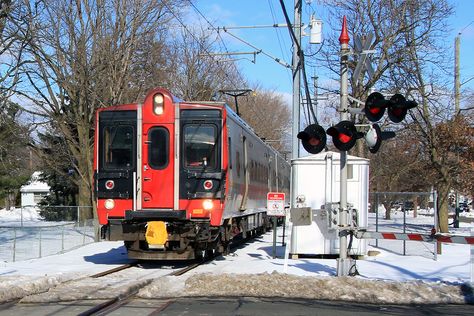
x: 178, y: 180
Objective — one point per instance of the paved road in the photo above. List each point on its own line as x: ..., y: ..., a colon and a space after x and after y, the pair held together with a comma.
x: 239, y: 306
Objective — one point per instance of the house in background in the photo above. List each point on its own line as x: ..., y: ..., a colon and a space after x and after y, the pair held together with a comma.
x: 33, y: 192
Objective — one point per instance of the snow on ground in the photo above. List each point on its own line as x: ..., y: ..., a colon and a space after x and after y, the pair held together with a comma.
x: 251, y: 271
x: 19, y: 216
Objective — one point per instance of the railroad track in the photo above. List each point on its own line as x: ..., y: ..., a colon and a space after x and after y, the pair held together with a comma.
x: 117, y: 269
x: 119, y: 301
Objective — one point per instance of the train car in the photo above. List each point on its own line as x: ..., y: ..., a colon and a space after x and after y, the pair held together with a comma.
x: 179, y: 180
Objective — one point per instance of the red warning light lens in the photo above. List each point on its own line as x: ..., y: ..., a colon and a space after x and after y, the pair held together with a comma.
x: 109, y: 185
x: 344, y: 138
x: 208, y: 184
x: 375, y: 110
x: 313, y: 141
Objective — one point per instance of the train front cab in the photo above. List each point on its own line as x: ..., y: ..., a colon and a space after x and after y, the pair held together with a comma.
x: 171, y: 206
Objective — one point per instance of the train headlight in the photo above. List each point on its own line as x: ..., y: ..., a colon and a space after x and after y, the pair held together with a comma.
x: 208, y: 184
x: 158, y: 104
x: 207, y: 205
x: 109, y: 204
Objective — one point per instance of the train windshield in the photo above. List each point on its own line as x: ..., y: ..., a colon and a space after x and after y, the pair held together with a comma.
x: 118, y: 147
x: 200, y: 146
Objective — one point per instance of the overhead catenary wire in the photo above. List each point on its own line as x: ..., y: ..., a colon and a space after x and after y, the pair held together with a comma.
x: 279, y: 37
x: 213, y: 28
x: 278, y: 60
x: 226, y: 29
x: 301, y: 62
x: 197, y: 40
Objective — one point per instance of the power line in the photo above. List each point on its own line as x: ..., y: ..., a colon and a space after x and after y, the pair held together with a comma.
x: 301, y: 62
x: 278, y: 60
x: 278, y: 34
x: 213, y: 27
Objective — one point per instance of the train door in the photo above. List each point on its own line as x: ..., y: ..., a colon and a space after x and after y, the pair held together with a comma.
x: 158, y: 163
x: 246, y: 170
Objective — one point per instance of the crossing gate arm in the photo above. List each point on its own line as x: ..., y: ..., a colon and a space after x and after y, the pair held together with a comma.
x: 361, y: 234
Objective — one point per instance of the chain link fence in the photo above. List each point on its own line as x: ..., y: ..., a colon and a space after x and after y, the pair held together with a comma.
x: 404, y: 212
x: 36, y: 231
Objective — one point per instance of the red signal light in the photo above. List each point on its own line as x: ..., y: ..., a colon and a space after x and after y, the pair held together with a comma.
x: 344, y: 135
x: 313, y: 138
x: 399, y: 107
x: 375, y: 106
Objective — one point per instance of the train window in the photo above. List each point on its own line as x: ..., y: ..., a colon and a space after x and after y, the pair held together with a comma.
x: 158, y: 147
x: 200, y: 146
x: 230, y: 152
x: 118, y: 147
x: 237, y: 162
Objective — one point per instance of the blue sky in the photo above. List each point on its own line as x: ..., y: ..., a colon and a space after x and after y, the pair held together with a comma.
x: 276, y: 41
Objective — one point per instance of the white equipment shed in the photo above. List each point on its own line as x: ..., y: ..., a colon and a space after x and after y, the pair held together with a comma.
x: 33, y: 192
x: 316, y: 185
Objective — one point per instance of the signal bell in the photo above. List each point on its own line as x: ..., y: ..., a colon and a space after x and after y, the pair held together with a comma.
x: 344, y: 135
x: 313, y: 138
x: 374, y: 136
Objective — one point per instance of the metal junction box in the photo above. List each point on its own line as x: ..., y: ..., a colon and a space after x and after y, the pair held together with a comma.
x: 315, y: 185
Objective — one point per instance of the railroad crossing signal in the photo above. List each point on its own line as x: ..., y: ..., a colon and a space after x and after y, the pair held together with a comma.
x: 397, y: 105
x: 344, y: 135
x: 313, y: 138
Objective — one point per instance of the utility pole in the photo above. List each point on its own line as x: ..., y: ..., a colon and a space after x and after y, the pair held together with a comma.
x: 343, y: 263
x: 296, y: 80
x: 457, y: 81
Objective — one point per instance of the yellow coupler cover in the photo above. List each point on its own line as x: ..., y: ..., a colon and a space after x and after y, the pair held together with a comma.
x: 156, y: 233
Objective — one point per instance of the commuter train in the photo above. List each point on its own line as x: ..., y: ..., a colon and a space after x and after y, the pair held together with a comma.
x: 179, y: 180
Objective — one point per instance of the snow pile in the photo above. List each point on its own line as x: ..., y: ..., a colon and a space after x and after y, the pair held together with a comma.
x: 25, y: 215
x: 15, y: 287
x: 85, y: 289
x: 321, y: 288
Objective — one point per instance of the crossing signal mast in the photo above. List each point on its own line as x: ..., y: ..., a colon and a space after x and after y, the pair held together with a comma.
x: 345, y: 135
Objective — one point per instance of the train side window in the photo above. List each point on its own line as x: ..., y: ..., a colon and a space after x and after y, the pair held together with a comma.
x: 237, y: 162
x: 158, y: 147
x: 230, y: 152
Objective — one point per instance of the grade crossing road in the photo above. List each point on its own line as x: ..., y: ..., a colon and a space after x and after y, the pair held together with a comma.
x: 241, y: 306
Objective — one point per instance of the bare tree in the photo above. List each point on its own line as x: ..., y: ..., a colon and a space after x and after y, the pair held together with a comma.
x: 197, y: 74
x: 82, y: 56
x: 269, y: 114
x: 14, y: 35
